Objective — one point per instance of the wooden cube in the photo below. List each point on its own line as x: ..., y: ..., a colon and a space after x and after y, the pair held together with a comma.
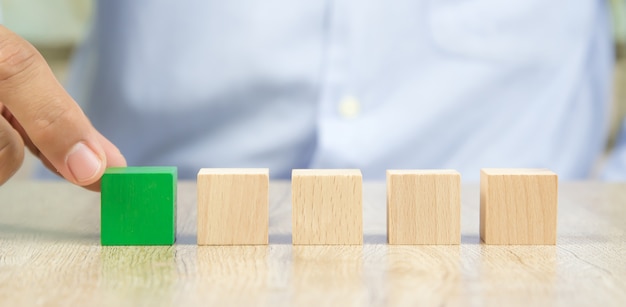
x: 423, y: 207
x: 233, y: 206
x: 327, y: 207
x: 138, y: 206
x: 518, y: 206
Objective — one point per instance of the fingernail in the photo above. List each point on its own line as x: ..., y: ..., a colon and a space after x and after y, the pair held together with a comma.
x: 83, y: 163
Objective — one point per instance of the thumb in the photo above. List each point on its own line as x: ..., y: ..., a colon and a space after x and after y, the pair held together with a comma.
x: 50, y: 119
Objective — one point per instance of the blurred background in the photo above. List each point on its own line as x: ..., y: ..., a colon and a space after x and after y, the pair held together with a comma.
x: 55, y: 27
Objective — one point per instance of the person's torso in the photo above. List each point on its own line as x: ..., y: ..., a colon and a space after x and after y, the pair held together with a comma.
x: 373, y: 85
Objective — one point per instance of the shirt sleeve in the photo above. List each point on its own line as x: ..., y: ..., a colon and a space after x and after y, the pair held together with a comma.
x: 615, y: 169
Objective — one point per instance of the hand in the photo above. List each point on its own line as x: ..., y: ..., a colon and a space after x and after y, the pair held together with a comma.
x: 39, y: 114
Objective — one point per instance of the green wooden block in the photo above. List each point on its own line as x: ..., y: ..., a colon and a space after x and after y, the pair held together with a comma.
x: 138, y: 206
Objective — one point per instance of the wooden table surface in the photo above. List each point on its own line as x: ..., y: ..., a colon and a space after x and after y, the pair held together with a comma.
x: 50, y: 254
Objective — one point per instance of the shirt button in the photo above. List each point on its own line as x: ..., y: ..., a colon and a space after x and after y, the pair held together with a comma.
x: 349, y: 107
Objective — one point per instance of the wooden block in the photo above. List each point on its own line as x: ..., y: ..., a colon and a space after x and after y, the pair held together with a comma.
x: 518, y: 206
x: 423, y: 207
x: 233, y: 206
x: 138, y: 206
x: 327, y: 207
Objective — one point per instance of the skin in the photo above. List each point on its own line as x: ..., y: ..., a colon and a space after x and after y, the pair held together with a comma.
x: 39, y: 114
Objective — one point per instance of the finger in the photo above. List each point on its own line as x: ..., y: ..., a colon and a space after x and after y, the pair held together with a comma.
x: 11, y: 150
x: 16, y: 125
x: 27, y: 142
x: 113, y: 154
x: 114, y: 159
x: 50, y: 118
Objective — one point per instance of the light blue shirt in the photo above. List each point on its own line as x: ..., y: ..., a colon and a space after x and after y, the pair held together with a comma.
x: 373, y: 85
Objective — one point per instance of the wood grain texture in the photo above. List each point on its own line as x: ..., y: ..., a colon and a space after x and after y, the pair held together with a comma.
x: 518, y: 206
x: 423, y: 207
x: 50, y: 255
x: 233, y: 206
x: 327, y: 207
